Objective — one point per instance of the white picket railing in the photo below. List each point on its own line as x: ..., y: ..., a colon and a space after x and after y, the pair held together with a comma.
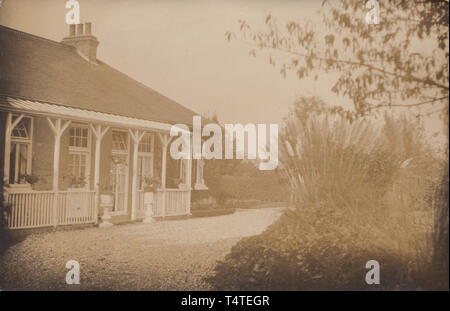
x: 36, y: 209
x: 177, y: 203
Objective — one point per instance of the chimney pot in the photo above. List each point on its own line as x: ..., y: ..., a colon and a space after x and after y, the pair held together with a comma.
x: 72, y: 30
x: 79, y: 29
x: 87, y: 28
x: 85, y: 44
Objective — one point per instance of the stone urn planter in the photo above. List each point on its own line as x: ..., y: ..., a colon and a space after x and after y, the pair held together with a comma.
x: 151, y: 185
x: 106, y: 202
x: 106, y: 199
x: 148, y: 203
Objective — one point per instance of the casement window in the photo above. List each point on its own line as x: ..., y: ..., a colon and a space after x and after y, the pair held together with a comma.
x: 79, y: 156
x: 145, y: 159
x: 146, y: 145
x: 79, y: 136
x: 21, y: 152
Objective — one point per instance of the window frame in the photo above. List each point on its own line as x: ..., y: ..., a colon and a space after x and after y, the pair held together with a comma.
x: 30, y: 130
x: 28, y: 142
x: 127, y: 143
x: 149, y: 155
x: 86, y: 151
x: 77, y: 148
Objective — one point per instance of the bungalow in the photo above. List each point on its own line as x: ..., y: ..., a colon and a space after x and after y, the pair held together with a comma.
x: 79, y: 139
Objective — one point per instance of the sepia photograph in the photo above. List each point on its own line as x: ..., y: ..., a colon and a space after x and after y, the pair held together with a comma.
x: 224, y: 149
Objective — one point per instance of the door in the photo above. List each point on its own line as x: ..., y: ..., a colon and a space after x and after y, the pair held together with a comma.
x: 119, y: 171
x: 119, y: 181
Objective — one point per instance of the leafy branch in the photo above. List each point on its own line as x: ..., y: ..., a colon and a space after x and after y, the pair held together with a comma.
x: 381, y: 65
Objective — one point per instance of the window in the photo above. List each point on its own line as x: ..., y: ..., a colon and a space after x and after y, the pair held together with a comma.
x: 78, y: 137
x: 20, y: 154
x: 79, y: 155
x: 145, y: 159
x: 145, y: 169
x: 22, y: 129
x: 119, y: 141
x: 146, y: 144
x: 18, y: 163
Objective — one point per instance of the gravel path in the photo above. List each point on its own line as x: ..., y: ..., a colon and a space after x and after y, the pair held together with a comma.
x: 165, y: 255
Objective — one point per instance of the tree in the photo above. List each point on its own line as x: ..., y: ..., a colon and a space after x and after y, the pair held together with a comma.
x: 214, y: 169
x: 400, y: 62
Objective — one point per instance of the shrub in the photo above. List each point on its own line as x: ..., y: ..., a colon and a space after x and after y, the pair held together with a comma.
x: 362, y: 189
x: 288, y: 257
x: 263, y: 188
x: 440, y: 233
x: 4, y: 233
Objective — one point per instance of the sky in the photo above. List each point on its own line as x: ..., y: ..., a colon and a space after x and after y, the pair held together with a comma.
x: 179, y: 49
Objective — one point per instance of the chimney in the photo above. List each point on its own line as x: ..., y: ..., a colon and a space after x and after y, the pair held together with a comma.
x: 79, y: 29
x: 71, y: 30
x: 87, y: 29
x: 80, y: 36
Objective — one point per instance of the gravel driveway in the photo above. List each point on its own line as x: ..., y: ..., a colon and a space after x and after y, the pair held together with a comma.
x: 165, y: 255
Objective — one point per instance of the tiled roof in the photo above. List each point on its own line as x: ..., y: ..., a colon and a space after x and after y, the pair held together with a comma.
x: 39, y: 69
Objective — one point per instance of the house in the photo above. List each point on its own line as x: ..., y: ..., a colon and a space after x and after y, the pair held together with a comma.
x: 73, y: 128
